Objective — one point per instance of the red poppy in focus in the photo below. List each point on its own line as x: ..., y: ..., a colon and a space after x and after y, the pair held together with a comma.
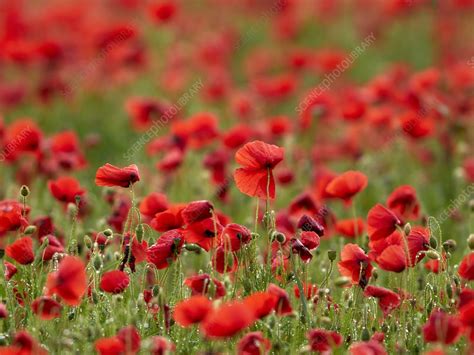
x: 381, y: 222
x: 442, y: 328
x: 21, y: 250
x: 355, y: 264
x: 321, y: 340
x: 404, y: 203
x: 466, y: 268
x: 114, y: 281
x: 347, y: 185
x: 110, y: 346
x: 233, y: 236
x: 65, y: 189
x: 256, y: 175
x: 110, y: 175
x: 203, y: 233
x: 200, y: 285
x: 388, y: 300
x: 227, y: 320
x: 253, y: 343
x: 69, y: 282
x: 261, y: 304
x: 165, y: 249
x: 371, y: 347
x: 192, y: 310
x: 46, y: 308
x: 169, y: 219
x: 393, y: 258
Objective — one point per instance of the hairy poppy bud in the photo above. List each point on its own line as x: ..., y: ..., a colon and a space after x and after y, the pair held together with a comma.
x: 71, y: 210
x: 342, y: 281
x: 433, y: 242
x: 29, y: 230
x: 332, y: 255
x: 155, y: 290
x: 108, y: 232
x: 24, y: 191
x: 407, y: 229
x: 97, y: 262
x: 470, y: 242
x: 450, y: 245
x: 193, y: 247
x: 255, y: 235
x: 325, y: 320
x: 278, y: 236
x: 432, y: 255
x: 88, y: 241
x: 139, y: 232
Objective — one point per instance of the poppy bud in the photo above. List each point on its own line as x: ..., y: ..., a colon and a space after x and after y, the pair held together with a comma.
x: 433, y: 242
x: 29, y: 230
x: 326, y: 321
x: 470, y: 241
x: 3, y: 340
x: 193, y: 247
x: 450, y: 245
x: 155, y: 290
x: 71, y: 210
x: 432, y: 255
x: 77, y: 198
x: 342, y: 281
x: 332, y: 255
x: 365, y: 336
x: 88, y: 241
x: 255, y: 235
x: 375, y: 274
x: 97, y: 262
x: 140, y: 232
x: 449, y: 290
x: 95, y: 297
x: 108, y: 232
x: 278, y: 236
x: 407, y: 229
x: 24, y: 191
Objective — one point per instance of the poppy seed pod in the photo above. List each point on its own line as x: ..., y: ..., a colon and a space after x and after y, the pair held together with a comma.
x: 332, y: 255
x: 24, y: 191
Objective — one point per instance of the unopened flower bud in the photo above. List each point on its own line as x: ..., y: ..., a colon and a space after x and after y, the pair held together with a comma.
x: 88, y: 241
x: 450, y: 245
x: 365, y: 336
x: 24, y: 191
x: 342, y: 281
x: 326, y: 321
x: 155, y: 290
x: 255, y: 235
x: 29, y: 230
x: 407, y: 229
x: 433, y: 242
x: 332, y: 255
x: 278, y: 236
x: 193, y: 247
x: 108, y: 232
x: 470, y: 242
x: 97, y: 262
x: 432, y: 255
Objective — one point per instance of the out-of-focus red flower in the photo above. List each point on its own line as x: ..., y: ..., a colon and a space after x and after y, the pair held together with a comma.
x: 109, y: 346
x: 22, y: 136
x: 69, y: 282
x: 65, y: 189
x: 442, y: 328
x: 282, y: 304
x: 347, y: 185
x: 131, y: 339
x: 3, y: 311
x: 192, y: 310
x: 261, y: 304
x: 466, y: 268
x: 46, y: 308
x: 10, y: 270
x: 388, y: 300
x: 404, y: 203
x: 224, y: 261
x: 468, y: 167
x: 201, y: 285
x: 381, y: 222
x: 21, y: 250
x: 416, y: 126
x: 165, y: 249
x: 371, y: 347
x: 23, y: 344
x: 355, y: 264
x: 321, y: 340
x: 233, y: 236
x: 256, y: 175
x: 114, y: 281
x: 466, y: 296
x: 466, y: 316
x: 110, y: 175
x: 350, y: 228
x: 11, y: 216
x: 310, y: 291
x: 152, y: 204
x: 161, y: 346
x: 227, y: 320
x: 163, y: 11
x: 253, y: 343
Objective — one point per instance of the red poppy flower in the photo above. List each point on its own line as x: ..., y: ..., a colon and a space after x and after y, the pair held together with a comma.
x: 110, y: 175
x: 131, y: 339
x: 46, y: 308
x: 282, y: 304
x: 144, y: 111
x: 237, y: 136
x: 310, y: 240
x: 309, y: 224
x: 69, y: 282
x: 203, y: 233
x: 201, y: 285
x: 3, y: 311
x: 466, y: 316
x: 466, y: 296
x: 347, y: 185
x: 350, y: 228
x: 23, y: 344
x: 393, y: 258
x: 227, y: 320
x: 10, y: 270
x: 371, y: 347
x: 65, y: 189
x: 11, y: 216
x: 169, y: 219
x: 152, y: 204
x: 261, y: 304
x: 22, y: 136
x: 191, y: 311
x: 310, y: 291
x: 388, y: 300
x: 66, y: 151
x: 418, y: 241
x: 54, y: 246
x: 298, y: 248
x: 163, y: 11
x: 381, y: 222
x: 21, y: 251
x: 110, y: 346
x: 253, y: 343
x: 197, y: 211
x: 355, y: 264
x: 466, y: 268
x: 233, y: 236
x: 114, y: 281
x: 442, y: 328
x: 257, y: 160
x: 404, y: 203
x: 161, y: 346
x: 165, y: 249
x: 321, y: 340
x: 224, y: 261
x: 416, y: 126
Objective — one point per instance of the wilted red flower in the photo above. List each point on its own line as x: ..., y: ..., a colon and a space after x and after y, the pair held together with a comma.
x: 257, y: 160
x: 65, y: 189
x: 381, y: 222
x: 321, y: 340
x: 350, y: 228
x: 442, y: 328
x: 347, y: 185
x: 199, y: 285
x: 355, y: 264
x: 297, y: 247
x: 110, y: 346
x: 192, y: 310
x: 309, y: 224
x: 388, y: 300
x: 253, y: 343
x: 466, y: 268
x: 165, y: 249
x: 114, y: 281
x: 110, y: 175
x: 227, y: 320
x: 404, y: 203
x: 21, y: 250
x: 371, y: 347
x: 261, y: 304
x: 46, y: 308
x: 69, y: 282
x: 282, y: 304
x: 131, y: 339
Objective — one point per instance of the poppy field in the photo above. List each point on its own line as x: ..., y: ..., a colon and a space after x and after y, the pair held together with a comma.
x: 241, y: 177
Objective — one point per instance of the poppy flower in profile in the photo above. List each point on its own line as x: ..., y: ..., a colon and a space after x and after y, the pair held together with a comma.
x: 261, y: 304
x: 131, y: 339
x: 309, y: 224
x: 10, y: 270
x: 233, y: 236
x: 282, y: 304
x: 21, y: 250
x: 442, y: 328
x: 371, y: 347
x: 65, y: 189
x: 114, y: 281
x: 322, y: 340
x: 393, y: 258
x: 255, y: 176
x: 197, y: 211
x: 46, y: 308
x: 227, y: 320
x: 355, y: 264
x: 69, y: 282
x: 110, y: 175
x: 253, y: 343
x: 200, y: 285
x: 388, y: 300
x: 109, y: 346
x: 166, y: 249
x: 466, y: 268
x: 192, y: 310
x: 347, y: 185
x: 404, y: 202
x: 381, y: 222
